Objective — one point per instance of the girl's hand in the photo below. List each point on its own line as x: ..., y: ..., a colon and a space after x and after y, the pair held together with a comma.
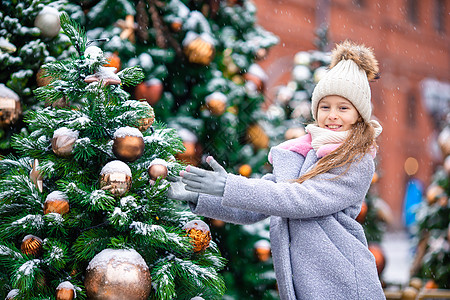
x: 177, y: 191
x: 203, y: 181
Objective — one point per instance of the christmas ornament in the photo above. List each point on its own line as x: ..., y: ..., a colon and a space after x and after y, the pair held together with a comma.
x: 302, y: 58
x: 257, y: 137
x: 430, y: 284
x: 444, y: 141
x: 31, y: 245
x: 416, y: 283
x: 245, y: 170
x: 128, y: 144
x: 197, y: 298
x: 157, y: 168
x: 145, y: 123
x: 199, y: 49
x: 104, y: 75
x: 65, y: 291
x: 433, y: 193
x: 362, y: 214
x: 409, y: 293
x: 117, y: 274
x: 293, y: 133
x: 375, y: 178
x: 10, y: 108
x: 93, y: 54
x: 128, y: 27
x: 36, y: 176
x: 302, y: 110
x: 150, y: 90
x: 319, y: 73
x: 56, y: 202
x: 41, y: 79
x: 12, y: 294
x: 261, y: 53
x: 115, y: 177
x: 216, y: 103
x: 262, y: 250
x: 378, y: 253
x: 113, y: 61
x: 199, y: 233
x: 176, y: 25
x: 63, y: 141
x: 48, y: 22
x: 285, y: 94
x: 255, y: 78
x: 301, y: 73
x: 217, y: 223
x: 192, y: 154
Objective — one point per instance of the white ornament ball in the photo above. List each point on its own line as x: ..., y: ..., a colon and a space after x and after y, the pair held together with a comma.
x: 319, y: 73
x: 302, y: 58
x: 301, y: 73
x: 48, y: 22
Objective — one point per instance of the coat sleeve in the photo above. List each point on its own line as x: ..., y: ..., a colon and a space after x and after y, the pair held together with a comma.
x: 211, y: 207
x: 321, y: 195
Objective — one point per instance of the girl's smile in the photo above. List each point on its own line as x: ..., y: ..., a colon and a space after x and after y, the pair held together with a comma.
x: 336, y: 113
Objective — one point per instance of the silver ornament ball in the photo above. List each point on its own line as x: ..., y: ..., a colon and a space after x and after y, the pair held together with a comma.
x: 48, y: 22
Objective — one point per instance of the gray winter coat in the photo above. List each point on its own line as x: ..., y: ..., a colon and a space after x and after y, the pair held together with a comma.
x: 319, y: 250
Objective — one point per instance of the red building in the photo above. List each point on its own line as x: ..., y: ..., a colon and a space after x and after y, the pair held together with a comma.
x: 411, y: 41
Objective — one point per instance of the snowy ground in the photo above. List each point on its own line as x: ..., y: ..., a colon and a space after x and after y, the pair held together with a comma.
x: 398, y: 252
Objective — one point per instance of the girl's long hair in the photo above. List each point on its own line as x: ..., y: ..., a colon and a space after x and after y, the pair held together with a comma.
x: 361, y: 140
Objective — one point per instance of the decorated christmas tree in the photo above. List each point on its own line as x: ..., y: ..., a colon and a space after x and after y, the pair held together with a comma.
x: 83, y: 211
x: 201, y: 76
x: 29, y: 37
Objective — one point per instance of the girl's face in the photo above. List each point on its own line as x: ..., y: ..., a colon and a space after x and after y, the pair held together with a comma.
x: 336, y: 113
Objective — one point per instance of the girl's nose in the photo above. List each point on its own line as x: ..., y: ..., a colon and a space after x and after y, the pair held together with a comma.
x: 332, y: 115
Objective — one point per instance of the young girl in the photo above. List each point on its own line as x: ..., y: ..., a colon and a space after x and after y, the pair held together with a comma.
x: 318, y: 184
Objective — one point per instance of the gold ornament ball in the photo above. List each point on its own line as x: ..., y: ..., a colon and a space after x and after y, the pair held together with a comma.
x: 416, y: 283
x: 433, y: 193
x: 41, y: 79
x: 257, y: 137
x: 261, y: 53
x: 380, y: 260
x: 199, y: 51
x: 10, y: 107
x: 157, y: 170
x: 56, y: 202
x: 245, y: 170
x: 216, y: 107
x: 176, y: 25
x: 65, y: 291
x: 199, y: 233
x: 31, y: 245
x: 115, y: 177
x: 63, y: 141
x: 262, y: 250
x: 362, y: 214
x: 217, y: 223
x: 117, y: 274
x: 128, y: 148
x: 409, y: 293
x: 36, y: 176
x: 192, y: 154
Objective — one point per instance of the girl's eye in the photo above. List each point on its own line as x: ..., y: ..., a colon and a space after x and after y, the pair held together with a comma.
x: 323, y: 107
x: 344, y: 107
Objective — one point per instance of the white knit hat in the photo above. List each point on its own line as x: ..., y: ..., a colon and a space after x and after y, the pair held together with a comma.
x: 351, y: 68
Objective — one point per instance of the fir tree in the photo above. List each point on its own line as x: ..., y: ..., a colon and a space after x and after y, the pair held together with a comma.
x: 27, y: 41
x: 59, y: 223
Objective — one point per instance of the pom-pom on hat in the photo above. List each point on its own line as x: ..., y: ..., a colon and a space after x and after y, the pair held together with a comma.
x: 351, y: 68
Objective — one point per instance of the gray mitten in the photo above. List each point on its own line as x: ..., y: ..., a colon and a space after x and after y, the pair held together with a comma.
x: 203, y: 181
x: 177, y: 191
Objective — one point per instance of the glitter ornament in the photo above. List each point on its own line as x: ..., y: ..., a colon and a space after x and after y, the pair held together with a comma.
x: 262, y: 250
x: 56, y: 202
x: 145, y: 123
x: 216, y: 103
x: 117, y: 274
x: 199, y: 49
x: 245, y: 170
x: 63, y: 141
x: 150, y: 91
x: 199, y: 233
x: 257, y: 137
x: 48, y: 22
x: 362, y: 214
x: 65, y: 291
x: 157, y: 168
x: 31, y: 245
x: 115, y: 177
x: 10, y: 107
x: 36, y: 176
x: 128, y: 144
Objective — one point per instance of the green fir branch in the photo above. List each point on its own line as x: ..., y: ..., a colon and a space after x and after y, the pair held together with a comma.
x: 131, y: 76
x: 163, y: 280
x: 55, y: 254
x: 74, y: 32
x: 89, y: 243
